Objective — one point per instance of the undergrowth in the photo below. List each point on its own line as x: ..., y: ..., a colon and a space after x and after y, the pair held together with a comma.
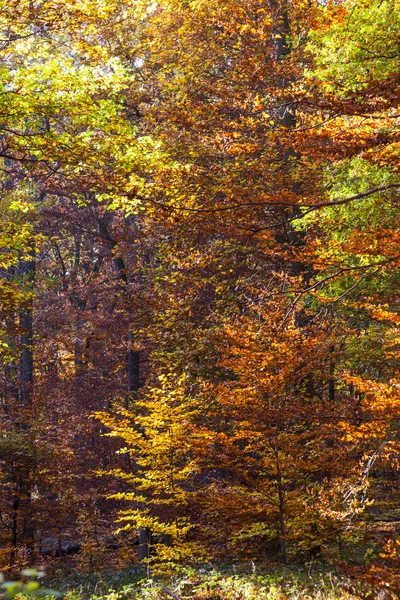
x: 245, y: 582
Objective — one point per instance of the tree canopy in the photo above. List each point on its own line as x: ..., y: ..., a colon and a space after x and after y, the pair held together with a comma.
x: 199, y: 255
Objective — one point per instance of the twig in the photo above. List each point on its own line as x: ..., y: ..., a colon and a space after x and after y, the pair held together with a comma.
x: 169, y: 593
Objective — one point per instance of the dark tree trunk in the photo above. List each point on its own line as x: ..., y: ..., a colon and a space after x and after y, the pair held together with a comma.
x: 26, y: 271
x: 22, y: 511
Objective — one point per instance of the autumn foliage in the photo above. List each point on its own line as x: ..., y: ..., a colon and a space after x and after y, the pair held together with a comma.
x: 199, y: 320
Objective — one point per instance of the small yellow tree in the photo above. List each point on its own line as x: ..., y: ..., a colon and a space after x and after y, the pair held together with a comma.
x: 158, y: 443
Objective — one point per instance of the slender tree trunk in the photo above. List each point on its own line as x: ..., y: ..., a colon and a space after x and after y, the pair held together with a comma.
x: 27, y: 271
x: 144, y: 543
x: 286, y: 118
x: 132, y: 356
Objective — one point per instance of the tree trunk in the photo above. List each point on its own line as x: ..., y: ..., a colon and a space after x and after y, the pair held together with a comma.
x: 26, y: 271
x: 144, y: 542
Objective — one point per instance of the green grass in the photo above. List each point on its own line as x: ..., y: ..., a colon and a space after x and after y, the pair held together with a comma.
x: 244, y: 582
x: 247, y: 582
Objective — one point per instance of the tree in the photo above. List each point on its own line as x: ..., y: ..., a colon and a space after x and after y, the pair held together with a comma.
x: 235, y: 108
x: 204, y: 254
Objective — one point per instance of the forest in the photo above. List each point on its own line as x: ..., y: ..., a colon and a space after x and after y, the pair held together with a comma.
x: 199, y: 293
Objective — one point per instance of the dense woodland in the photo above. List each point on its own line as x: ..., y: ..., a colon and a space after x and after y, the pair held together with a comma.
x: 199, y: 259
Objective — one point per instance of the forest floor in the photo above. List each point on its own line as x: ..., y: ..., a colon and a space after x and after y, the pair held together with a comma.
x: 252, y: 583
